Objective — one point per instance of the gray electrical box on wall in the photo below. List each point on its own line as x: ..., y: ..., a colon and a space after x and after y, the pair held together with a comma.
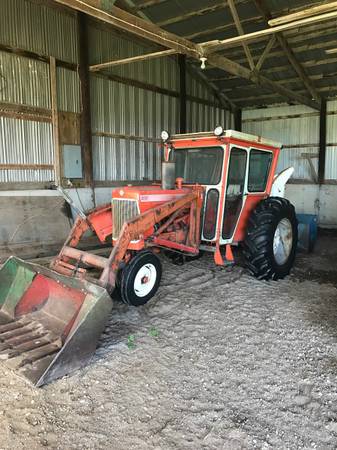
x: 72, y: 161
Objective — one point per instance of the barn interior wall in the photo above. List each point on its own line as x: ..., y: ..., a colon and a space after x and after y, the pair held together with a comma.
x: 297, y: 128
x: 130, y: 106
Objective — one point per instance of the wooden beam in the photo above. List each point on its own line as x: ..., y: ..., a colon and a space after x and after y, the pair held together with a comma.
x: 148, y: 4
x: 55, y: 121
x: 296, y: 47
x: 135, y: 25
x: 265, y: 53
x: 331, y: 51
x: 182, y: 91
x: 26, y: 167
x: 298, y: 68
x: 239, y: 28
x: 322, y: 142
x: 260, y: 80
x: 25, y: 112
x: 144, y: 29
x: 256, y: 20
x: 217, y: 6
x: 264, y: 11
x: 213, y: 46
x: 104, y: 75
x: 132, y: 59
x: 238, y: 120
x: 128, y: 137
x: 85, y: 121
x: 220, y: 96
x: 315, y: 10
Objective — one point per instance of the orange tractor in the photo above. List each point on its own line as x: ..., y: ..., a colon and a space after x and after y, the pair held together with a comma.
x: 218, y: 191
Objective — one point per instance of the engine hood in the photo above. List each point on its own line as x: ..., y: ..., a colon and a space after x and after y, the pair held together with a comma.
x: 148, y: 197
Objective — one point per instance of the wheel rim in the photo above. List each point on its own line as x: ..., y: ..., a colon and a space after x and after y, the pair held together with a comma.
x: 283, y: 241
x: 145, y: 280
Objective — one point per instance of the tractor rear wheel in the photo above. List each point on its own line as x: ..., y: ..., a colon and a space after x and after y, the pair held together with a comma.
x: 271, y: 239
x: 140, y: 278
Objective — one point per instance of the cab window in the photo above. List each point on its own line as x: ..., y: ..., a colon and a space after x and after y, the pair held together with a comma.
x: 259, y: 168
x: 199, y: 165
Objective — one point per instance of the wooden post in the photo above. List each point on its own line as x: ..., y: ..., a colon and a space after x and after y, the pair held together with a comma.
x: 55, y: 121
x: 238, y: 120
x: 83, y: 72
x: 182, y: 98
x: 322, y: 143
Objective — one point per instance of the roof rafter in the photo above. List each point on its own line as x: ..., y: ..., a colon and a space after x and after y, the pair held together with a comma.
x: 140, y: 27
x: 282, y: 41
x: 198, y: 12
x: 239, y: 28
x: 265, y: 53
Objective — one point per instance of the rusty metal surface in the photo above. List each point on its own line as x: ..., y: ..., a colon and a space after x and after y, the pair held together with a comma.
x: 42, y: 339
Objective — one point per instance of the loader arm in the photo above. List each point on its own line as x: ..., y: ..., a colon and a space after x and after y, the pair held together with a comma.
x: 135, y: 228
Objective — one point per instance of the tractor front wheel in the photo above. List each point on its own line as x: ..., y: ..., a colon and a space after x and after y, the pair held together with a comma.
x: 271, y: 239
x: 140, y: 278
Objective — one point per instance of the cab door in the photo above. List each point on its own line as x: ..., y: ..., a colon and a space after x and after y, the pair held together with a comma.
x: 235, y: 190
x: 248, y: 174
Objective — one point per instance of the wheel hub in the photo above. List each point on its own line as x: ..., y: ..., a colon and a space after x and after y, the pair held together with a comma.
x: 283, y: 241
x: 145, y: 280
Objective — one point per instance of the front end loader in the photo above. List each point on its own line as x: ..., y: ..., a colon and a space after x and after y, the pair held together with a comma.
x: 219, y: 190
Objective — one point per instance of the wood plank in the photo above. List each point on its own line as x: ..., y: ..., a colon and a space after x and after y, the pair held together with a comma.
x: 132, y: 59
x: 25, y: 112
x: 69, y: 128
x: 55, y: 121
x: 85, y: 123
x: 322, y: 142
x: 265, y: 53
x: 217, y: 6
x: 126, y: 137
x: 239, y: 28
x: 308, y: 12
x: 238, y: 120
x: 261, y: 6
x: 213, y: 46
x: 26, y: 167
x: 135, y: 25
x: 260, y: 80
x: 182, y: 97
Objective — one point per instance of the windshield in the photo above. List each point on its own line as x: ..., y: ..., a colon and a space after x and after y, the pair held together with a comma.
x: 199, y: 165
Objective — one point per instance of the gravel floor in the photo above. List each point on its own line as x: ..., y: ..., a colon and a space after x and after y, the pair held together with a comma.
x: 217, y: 360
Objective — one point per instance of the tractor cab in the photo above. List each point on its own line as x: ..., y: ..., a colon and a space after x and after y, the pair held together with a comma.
x: 236, y: 170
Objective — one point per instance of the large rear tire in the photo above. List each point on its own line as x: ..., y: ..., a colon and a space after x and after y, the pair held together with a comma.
x: 140, y: 278
x: 271, y: 239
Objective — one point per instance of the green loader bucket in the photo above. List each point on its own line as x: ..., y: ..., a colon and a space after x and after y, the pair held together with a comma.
x: 49, y: 323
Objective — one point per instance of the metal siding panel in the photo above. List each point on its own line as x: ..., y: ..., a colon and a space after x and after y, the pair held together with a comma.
x: 68, y: 90
x: 291, y: 131
x: 23, y: 142
x: 39, y: 28
x: 24, y: 81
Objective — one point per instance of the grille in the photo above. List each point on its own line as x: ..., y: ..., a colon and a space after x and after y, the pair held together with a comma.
x: 122, y: 211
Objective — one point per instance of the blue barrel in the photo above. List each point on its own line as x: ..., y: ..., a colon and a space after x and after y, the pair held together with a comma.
x: 307, y: 231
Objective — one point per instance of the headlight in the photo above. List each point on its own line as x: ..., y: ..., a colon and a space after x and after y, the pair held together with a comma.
x: 165, y: 135
x: 218, y: 131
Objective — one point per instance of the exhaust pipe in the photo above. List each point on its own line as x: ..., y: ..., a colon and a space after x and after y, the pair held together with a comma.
x: 168, y: 175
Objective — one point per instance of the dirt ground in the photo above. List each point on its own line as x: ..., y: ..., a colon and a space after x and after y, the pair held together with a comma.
x: 217, y: 360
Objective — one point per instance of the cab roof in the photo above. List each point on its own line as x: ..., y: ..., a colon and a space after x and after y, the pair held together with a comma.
x: 251, y: 138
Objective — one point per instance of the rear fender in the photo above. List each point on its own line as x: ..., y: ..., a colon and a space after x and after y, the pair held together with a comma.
x: 280, y: 181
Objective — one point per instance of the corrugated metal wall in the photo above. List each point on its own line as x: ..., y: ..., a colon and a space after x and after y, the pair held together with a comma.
x: 297, y: 127
x: 117, y: 108
x: 121, y: 109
